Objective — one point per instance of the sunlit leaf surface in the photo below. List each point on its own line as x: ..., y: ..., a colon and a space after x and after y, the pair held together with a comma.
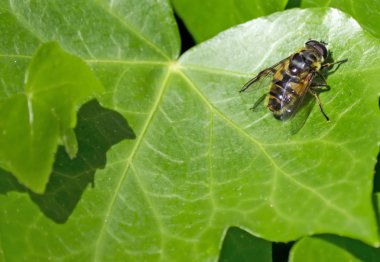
x: 365, y: 12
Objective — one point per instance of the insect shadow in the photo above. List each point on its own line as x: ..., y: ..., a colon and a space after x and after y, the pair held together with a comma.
x: 293, y: 79
x: 97, y: 130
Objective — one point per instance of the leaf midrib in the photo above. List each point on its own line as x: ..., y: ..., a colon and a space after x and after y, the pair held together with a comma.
x: 130, y: 159
x: 230, y: 122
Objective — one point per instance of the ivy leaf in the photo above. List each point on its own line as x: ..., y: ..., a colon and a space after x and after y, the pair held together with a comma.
x: 334, y: 248
x: 238, y: 245
x: 214, y: 16
x: 319, y: 152
x: 202, y: 161
x: 367, y: 14
x: 35, y: 121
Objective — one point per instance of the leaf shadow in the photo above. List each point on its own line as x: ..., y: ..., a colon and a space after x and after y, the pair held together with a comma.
x: 97, y: 130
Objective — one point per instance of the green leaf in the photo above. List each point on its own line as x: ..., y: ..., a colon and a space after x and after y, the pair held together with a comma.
x: 295, y: 175
x: 334, y: 248
x: 365, y: 12
x: 97, y: 130
x: 201, y: 161
x: 239, y: 245
x: 293, y: 4
x: 214, y: 16
x: 34, y: 121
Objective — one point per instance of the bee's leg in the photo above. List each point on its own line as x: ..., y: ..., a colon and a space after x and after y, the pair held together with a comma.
x: 315, y: 94
x: 258, y: 102
x: 327, y: 65
x: 323, y: 79
x: 320, y: 87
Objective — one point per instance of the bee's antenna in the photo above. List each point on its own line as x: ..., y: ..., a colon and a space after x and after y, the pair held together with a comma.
x: 323, y: 42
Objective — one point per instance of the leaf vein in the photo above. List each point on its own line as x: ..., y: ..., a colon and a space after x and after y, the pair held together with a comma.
x: 263, y: 150
x: 129, y: 162
x: 134, y: 31
x: 25, y: 23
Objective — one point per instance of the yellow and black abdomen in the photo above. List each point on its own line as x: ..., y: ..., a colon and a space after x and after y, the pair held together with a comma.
x: 289, y: 85
x: 283, y: 98
x: 292, y: 78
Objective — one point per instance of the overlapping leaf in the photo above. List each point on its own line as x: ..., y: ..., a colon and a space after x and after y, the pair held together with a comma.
x: 238, y: 245
x: 206, y: 19
x: 365, y: 12
x: 35, y: 121
x: 201, y: 160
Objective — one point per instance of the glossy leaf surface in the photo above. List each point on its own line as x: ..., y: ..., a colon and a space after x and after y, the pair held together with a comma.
x: 366, y: 12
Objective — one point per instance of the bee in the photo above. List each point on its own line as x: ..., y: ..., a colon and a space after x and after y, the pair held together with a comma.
x: 292, y: 78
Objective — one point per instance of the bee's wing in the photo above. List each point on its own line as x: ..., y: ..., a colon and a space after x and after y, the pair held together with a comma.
x: 302, y: 91
x: 264, y: 74
x: 302, y: 109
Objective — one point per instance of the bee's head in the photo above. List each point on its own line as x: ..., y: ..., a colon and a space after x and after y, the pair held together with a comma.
x: 320, y: 46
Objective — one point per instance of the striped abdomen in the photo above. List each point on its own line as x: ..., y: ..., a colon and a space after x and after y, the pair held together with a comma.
x: 283, y: 97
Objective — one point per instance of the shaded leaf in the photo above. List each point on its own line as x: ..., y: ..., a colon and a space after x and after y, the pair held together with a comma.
x: 239, y: 245
x: 214, y: 16
x: 293, y: 4
x: 201, y: 160
x: 97, y: 130
x: 365, y: 12
x: 44, y: 115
